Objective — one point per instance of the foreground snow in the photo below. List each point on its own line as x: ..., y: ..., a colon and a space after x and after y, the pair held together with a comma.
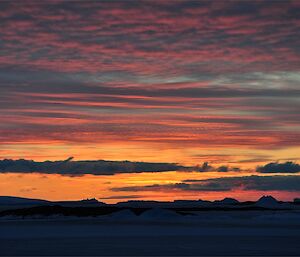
x: 156, y: 232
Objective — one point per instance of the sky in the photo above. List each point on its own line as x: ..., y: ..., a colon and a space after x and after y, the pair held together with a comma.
x: 185, y: 82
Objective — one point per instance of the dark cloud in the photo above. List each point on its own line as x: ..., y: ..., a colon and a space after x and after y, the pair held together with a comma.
x: 206, y: 167
x: 99, y: 167
x: 223, y: 169
x: 262, y: 183
x: 79, y: 168
x: 275, y: 167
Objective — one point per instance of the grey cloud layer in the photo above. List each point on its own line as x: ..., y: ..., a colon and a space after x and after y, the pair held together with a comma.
x: 78, y: 168
x: 99, y: 167
x: 275, y: 167
x: 263, y: 183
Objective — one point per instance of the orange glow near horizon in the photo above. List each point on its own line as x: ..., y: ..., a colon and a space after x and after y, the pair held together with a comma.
x: 57, y: 187
x: 243, y: 157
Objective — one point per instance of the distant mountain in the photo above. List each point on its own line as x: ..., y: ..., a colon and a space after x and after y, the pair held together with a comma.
x: 24, y: 207
x: 81, y: 203
x: 267, y: 202
x: 227, y: 201
x: 191, y: 203
x: 143, y: 204
x: 12, y: 200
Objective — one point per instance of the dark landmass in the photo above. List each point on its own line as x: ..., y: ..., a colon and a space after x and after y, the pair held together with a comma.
x: 22, y: 207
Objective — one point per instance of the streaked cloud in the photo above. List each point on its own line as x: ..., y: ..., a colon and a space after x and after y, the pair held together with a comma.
x: 224, y: 184
x: 164, y: 76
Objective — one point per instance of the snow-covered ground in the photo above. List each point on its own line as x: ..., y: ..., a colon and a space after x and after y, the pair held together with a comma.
x: 155, y: 232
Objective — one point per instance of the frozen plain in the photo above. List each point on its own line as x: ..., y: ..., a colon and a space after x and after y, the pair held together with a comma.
x: 155, y: 233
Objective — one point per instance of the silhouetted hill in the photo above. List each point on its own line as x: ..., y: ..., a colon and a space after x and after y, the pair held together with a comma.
x: 12, y: 200
x: 17, y: 206
x: 67, y: 211
x: 227, y: 200
x: 20, y: 201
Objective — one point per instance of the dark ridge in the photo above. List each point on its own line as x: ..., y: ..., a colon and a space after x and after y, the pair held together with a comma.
x: 68, y: 211
x: 247, y: 208
x: 105, y: 210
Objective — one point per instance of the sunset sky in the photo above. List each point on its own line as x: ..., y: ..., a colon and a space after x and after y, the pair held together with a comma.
x: 183, y: 82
